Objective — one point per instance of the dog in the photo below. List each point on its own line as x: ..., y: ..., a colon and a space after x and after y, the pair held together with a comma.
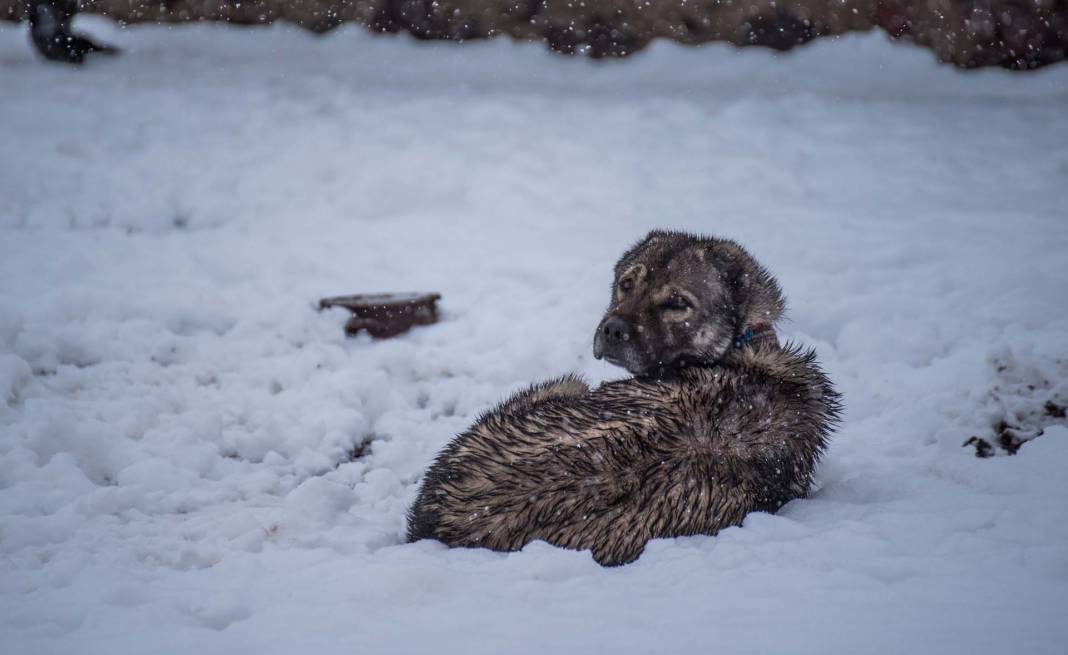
x: 718, y: 421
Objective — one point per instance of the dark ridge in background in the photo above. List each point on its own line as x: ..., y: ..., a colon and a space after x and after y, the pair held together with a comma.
x: 1014, y: 34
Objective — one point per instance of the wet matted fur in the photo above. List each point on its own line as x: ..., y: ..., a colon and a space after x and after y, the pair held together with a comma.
x: 713, y: 427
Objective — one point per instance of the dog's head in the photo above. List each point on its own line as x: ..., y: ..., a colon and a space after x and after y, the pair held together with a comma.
x: 681, y: 299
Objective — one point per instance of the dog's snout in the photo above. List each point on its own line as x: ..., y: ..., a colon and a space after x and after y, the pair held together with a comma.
x: 614, y: 338
x: 616, y: 330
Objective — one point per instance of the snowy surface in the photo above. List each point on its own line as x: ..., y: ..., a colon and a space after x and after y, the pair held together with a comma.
x: 177, y: 422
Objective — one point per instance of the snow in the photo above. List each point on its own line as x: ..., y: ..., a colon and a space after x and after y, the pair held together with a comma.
x: 177, y: 422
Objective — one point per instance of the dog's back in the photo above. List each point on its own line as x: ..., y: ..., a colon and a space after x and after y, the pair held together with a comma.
x: 633, y: 460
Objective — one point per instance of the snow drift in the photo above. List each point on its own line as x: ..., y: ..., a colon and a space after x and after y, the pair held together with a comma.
x: 194, y: 459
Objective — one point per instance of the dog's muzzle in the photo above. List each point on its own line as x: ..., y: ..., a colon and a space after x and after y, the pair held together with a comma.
x: 615, y: 341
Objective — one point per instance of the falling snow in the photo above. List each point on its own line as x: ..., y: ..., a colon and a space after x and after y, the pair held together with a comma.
x: 193, y: 459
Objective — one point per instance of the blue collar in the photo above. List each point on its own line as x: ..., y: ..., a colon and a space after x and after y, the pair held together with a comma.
x: 751, y: 333
x: 743, y: 338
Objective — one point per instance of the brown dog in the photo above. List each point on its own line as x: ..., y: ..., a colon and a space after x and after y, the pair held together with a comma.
x: 720, y: 420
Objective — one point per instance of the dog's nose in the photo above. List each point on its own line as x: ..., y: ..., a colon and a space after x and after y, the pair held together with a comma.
x: 616, y: 330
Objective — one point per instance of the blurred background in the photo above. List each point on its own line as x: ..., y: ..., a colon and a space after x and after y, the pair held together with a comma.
x: 1016, y: 34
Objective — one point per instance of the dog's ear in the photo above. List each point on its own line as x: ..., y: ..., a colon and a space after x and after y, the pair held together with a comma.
x: 755, y: 295
x: 634, y: 252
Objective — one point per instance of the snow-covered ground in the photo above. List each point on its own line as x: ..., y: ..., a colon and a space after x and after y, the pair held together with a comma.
x: 177, y: 422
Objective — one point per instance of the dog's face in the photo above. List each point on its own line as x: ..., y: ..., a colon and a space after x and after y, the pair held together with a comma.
x: 679, y: 299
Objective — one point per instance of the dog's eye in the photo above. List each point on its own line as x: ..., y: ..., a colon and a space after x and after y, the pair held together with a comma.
x: 627, y: 284
x: 676, y: 302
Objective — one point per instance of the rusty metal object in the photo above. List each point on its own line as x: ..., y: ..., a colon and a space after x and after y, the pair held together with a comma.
x: 386, y: 315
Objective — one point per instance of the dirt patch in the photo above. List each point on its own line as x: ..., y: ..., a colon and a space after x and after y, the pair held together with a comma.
x: 1028, y: 397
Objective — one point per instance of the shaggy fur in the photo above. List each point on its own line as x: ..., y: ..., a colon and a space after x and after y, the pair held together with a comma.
x: 680, y: 299
x: 689, y: 449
